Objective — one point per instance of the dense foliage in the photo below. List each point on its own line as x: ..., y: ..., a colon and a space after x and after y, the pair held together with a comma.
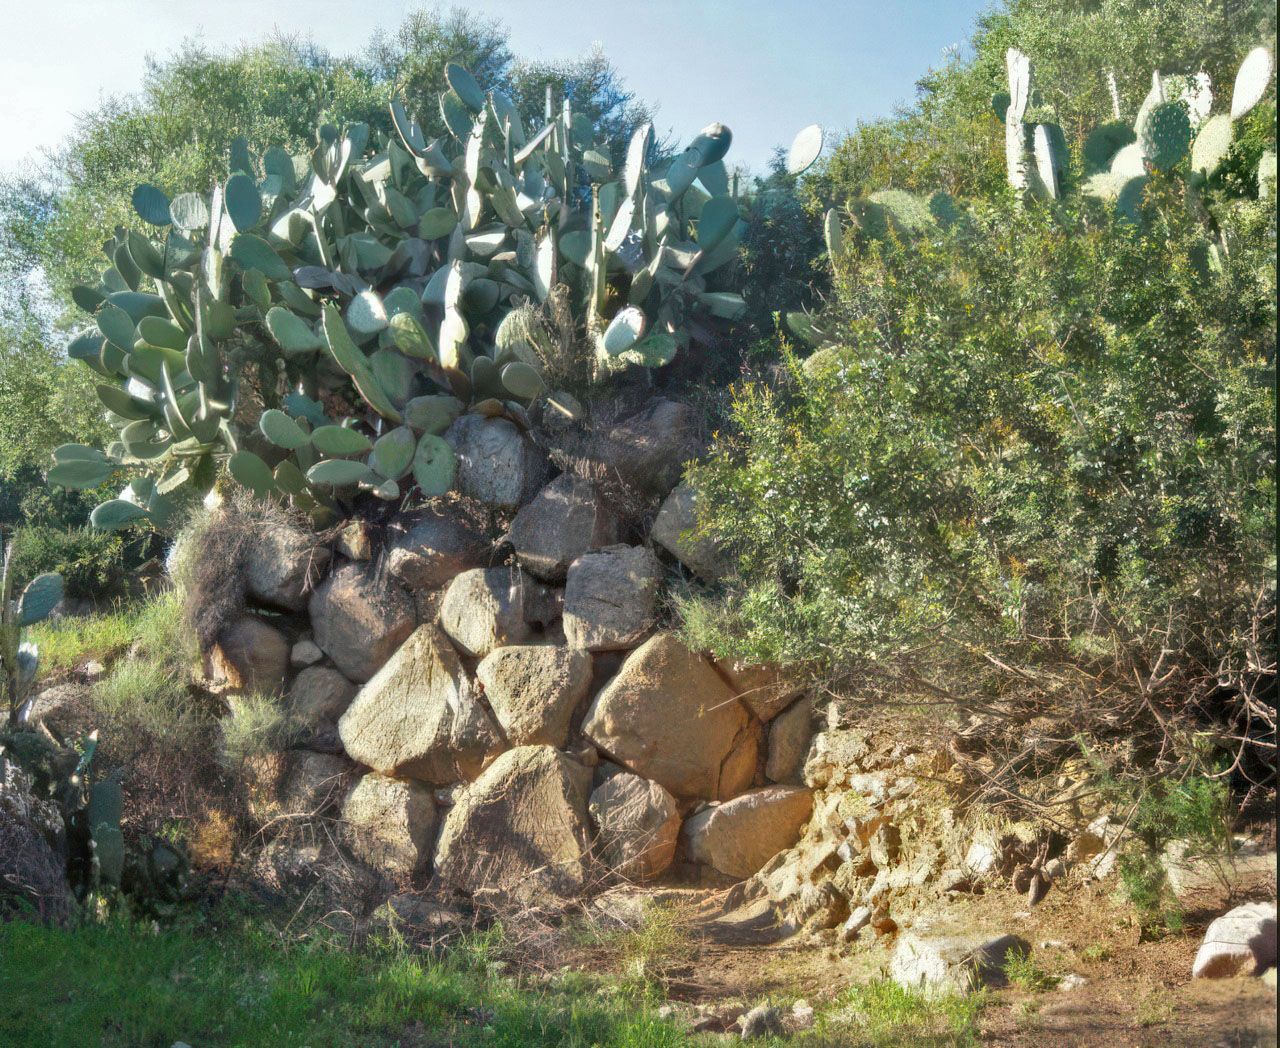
x: 1029, y: 468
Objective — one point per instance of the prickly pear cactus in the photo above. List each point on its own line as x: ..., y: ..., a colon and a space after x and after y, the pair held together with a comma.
x: 1166, y: 135
x: 19, y: 660
x: 314, y: 324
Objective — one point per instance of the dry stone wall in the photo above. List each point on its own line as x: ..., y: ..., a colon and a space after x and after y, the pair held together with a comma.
x: 507, y: 713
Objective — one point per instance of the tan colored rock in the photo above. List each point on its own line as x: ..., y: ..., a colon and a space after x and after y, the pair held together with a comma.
x: 392, y: 823
x: 564, y: 520
x: 610, y: 598
x: 739, y: 836
x: 789, y: 735
x: 835, y: 757
x: 250, y: 657
x: 433, y: 545
x: 418, y: 718
x: 959, y: 962
x: 281, y: 566
x: 1240, y: 942
x: 489, y: 608
x: 675, y: 529
x: 497, y: 463
x: 765, y: 690
x: 360, y: 616
x: 668, y: 716
x: 638, y: 826
x: 534, y: 689
x: 520, y: 830
x: 648, y: 450
x: 319, y: 696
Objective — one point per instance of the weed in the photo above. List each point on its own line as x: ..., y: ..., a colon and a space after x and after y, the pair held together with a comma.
x: 1096, y: 953
x: 1155, y: 1009
x: 1023, y: 972
x: 258, y: 725
x: 883, y: 1014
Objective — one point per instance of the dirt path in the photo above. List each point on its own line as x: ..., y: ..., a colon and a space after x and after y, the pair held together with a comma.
x: 1137, y: 993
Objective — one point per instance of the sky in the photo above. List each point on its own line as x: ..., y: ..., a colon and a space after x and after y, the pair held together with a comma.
x: 766, y: 68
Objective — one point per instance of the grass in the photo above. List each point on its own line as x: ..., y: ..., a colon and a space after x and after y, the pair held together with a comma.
x: 64, y: 643
x: 118, y: 983
x: 883, y: 1014
x: 156, y: 626
x: 1023, y: 972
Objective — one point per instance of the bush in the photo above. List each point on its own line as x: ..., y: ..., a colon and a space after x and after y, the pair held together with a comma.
x: 1035, y: 468
x: 91, y: 564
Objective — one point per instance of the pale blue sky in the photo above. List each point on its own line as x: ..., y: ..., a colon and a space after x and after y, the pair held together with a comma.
x: 764, y: 67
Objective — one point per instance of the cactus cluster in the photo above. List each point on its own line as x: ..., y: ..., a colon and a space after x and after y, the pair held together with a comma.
x: 317, y: 322
x: 1175, y: 122
x: 20, y: 659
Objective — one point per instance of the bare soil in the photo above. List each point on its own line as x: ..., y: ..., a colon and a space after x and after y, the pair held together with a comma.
x: 1138, y: 993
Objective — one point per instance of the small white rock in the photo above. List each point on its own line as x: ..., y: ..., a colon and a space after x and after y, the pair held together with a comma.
x: 1072, y: 982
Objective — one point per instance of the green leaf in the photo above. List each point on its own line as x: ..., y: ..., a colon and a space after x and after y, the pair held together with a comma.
x: 436, y: 223
x: 464, y: 86
x: 115, y: 514
x: 252, y: 252
x: 151, y: 204
x: 393, y: 453
x: 243, y: 202
x: 340, y: 473
x: 293, y: 334
x: 339, y: 440
x: 80, y: 474
x: 434, y: 465
x: 39, y: 598
x: 432, y: 414
x: 251, y: 472
x: 117, y: 326
x: 281, y: 430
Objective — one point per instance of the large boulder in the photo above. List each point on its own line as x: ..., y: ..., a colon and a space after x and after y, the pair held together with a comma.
x: 250, y: 657
x: 675, y: 530
x: 432, y: 545
x: 952, y: 963
x: 360, y: 617
x: 520, y: 830
x: 564, y: 520
x: 648, y: 450
x: 1240, y: 942
x: 739, y: 836
x: 418, y: 718
x: 391, y: 823
x: 789, y: 735
x: 610, y: 598
x: 318, y: 697
x: 281, y: 565
x: 488, y: 608
x: 765, y: 690
x: 533, y: 690
x: 497, y: 463
x: 667, y: 715
x: 638, y: 825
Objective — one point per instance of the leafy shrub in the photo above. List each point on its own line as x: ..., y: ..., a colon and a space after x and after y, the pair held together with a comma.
x: 91, y: 564
x: 1035, y: 465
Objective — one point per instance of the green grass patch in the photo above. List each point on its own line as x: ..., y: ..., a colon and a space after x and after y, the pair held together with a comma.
x: 883, y: 1014
x: 65, y: 643
x: 124, y: 984
x: 156, y: 626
